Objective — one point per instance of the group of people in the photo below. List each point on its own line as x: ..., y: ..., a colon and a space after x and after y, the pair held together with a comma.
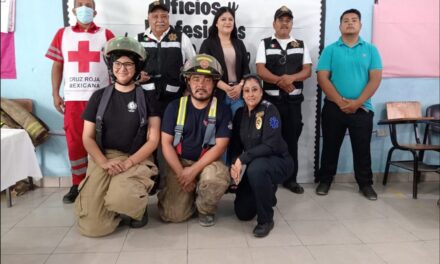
x: 199, y: 123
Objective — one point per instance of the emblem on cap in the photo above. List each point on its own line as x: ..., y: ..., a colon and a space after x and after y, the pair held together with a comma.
x: 204, y: 64
x: 156, y: 3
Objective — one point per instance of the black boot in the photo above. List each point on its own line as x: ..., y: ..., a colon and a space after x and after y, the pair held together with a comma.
x: 262, y: 230
x: 71, y: 195
x: 294, y: 187
x: 140, y: 223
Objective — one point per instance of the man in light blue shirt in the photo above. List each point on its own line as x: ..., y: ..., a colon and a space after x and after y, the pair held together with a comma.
x: 349, y: 73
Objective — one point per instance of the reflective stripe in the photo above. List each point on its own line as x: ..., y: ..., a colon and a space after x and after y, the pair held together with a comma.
x: 273, y: 92
x: 182, y: 111
x: 56, y: 50
x: 277, y: 92
x: 178, y: 130
x: 170, y: 44
x: 213, y: 109
x: 149, y: 44
x: 77, y: 162
x: 209, y: 138
x: 56, y: 56
x: 172, y: 88
x: 149, y: 86
x: 79, y: 171
x: 296, y: 92
x: 273, y: 52
x: 295, y: 51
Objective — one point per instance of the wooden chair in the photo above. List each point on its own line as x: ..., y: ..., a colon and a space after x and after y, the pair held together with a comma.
x: 399, y: 113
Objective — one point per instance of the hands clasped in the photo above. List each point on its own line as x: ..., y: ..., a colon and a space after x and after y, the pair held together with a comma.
x: 116, y: 166
x: 348, y: 106
x: 186, y: 179
x: 285, y: 82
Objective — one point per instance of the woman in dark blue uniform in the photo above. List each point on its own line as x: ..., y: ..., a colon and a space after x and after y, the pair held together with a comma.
x: 260, y: 157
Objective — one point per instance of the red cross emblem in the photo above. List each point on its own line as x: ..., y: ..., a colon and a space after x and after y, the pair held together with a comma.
x: 84, y: 56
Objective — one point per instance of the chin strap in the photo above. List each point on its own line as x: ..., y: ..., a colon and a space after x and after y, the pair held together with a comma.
x: 125, y: 84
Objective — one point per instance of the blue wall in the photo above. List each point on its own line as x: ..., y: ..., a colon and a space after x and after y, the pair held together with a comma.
x: 37, y: 24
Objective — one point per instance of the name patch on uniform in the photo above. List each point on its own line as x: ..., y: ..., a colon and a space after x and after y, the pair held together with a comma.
x: 274, y: 122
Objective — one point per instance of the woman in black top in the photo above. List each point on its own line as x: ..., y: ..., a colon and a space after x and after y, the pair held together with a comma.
x: 260, y: 157
x: 121, y: 131
x: 223, y: 44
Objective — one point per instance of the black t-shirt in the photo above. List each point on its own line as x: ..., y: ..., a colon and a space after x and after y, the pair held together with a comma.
x: 195, y: 125
x: 121, y: 118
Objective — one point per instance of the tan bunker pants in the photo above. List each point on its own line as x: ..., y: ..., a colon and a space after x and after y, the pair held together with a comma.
x: 176, y: 205
x: 102, y: 197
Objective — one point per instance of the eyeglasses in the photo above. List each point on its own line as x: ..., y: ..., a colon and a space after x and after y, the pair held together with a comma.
x: 127, y: 65
x: 283, y: 59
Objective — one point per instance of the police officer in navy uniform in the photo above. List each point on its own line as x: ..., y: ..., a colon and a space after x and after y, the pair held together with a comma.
x: 168, y: 50
x: 284, y: 63
x: 260, y: 157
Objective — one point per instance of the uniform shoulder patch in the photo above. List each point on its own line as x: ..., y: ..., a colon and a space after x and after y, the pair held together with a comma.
x: 274, y: 122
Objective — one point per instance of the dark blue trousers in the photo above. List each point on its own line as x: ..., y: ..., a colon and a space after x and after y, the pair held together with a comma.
x: 256, y: 192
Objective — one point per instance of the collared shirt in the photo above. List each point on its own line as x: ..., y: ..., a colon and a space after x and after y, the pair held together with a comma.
x: 349, y: 67
x: 187, y: 48
x: 261, y: 52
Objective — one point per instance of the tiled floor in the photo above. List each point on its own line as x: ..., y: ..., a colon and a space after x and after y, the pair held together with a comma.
x: 342, y: 227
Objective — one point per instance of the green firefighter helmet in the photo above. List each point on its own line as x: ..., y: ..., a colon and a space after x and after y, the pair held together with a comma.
x: 125, y: 44
x: 203, y: 64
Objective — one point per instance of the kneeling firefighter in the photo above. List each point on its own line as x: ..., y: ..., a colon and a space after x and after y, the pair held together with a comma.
x: 121, y: 131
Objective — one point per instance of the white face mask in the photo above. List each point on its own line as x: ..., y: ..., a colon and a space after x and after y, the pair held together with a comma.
x: 84, y: 14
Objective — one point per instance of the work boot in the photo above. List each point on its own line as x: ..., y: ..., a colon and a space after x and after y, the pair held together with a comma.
x: 140, y: 223
x: 262, y: 230
x: 206, y: 220
x: 71, y: 195
x: 369, y: 192
x: 294, y: 187
x: 323, y: 188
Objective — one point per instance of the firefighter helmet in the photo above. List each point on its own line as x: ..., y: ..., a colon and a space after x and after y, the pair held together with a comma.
x: 203, y: 64
x: 118, y: 44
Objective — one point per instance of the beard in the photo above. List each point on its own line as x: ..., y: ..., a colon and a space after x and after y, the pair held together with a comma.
x: 201, y: 95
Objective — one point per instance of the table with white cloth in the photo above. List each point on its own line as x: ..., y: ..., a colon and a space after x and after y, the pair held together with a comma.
x: 18, y: 159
